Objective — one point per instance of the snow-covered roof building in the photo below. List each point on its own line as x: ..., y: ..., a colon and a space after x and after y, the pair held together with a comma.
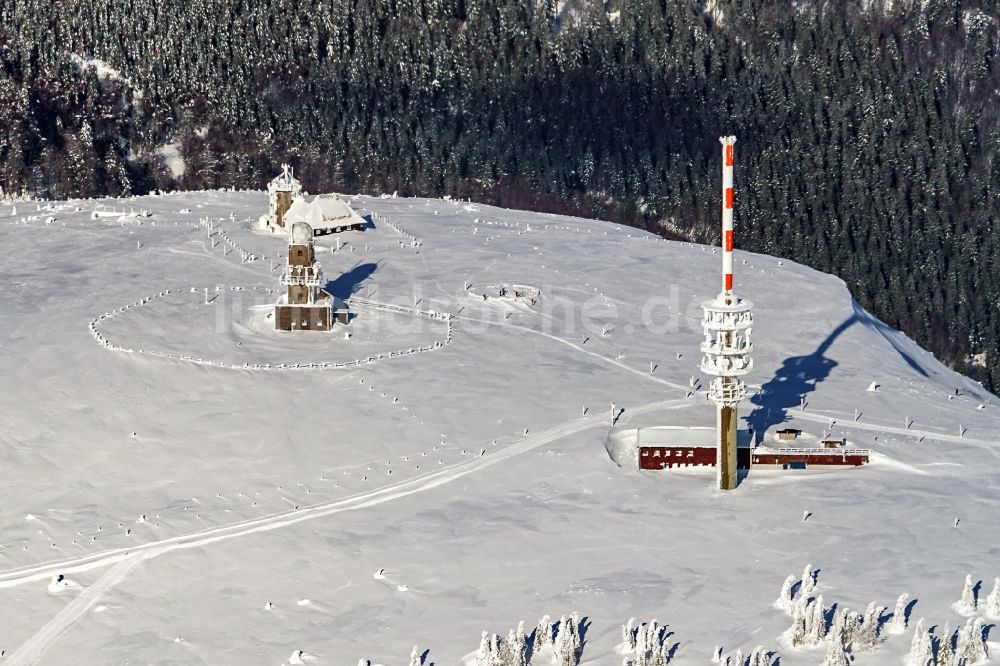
x: 326, y: 214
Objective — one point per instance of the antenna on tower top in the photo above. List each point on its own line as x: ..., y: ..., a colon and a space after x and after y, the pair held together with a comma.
x: 727, y: 213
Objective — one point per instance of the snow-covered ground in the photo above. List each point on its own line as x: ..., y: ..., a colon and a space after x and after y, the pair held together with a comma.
x: 217, y: 493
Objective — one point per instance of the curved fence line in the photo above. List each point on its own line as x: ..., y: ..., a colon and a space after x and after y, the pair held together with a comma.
x: 445, y: 317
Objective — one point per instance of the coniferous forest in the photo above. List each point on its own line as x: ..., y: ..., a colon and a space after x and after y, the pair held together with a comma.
x: 868, y: 131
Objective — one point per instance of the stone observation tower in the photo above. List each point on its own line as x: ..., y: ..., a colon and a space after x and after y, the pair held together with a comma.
x: 727, y: 321
x: 305, y: 306
x: 281, y: 192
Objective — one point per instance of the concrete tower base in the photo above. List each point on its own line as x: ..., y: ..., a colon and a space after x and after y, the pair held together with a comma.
x: 726, y: 464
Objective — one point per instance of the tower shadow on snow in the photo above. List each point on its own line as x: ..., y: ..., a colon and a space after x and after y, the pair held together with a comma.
x: 799, y: 375
x: 796, y: 378
x: 349, y: 283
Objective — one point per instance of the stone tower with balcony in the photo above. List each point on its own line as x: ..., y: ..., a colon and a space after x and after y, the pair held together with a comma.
x: 304, y: 306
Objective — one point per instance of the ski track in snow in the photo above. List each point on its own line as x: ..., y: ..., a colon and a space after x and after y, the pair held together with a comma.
x: 33, y: 649
x: 634, y: 371
x: 126, y: 559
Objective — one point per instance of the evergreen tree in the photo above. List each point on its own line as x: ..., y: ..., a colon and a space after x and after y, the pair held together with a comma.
x: 921, y: 647
x: 966, y: 605
x: 835, y: 655
x: 993, y: 601
x: 785, y: 597
x: 898, y: 623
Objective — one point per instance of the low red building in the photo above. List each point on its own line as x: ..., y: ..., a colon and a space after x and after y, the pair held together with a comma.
x: 669, y: 457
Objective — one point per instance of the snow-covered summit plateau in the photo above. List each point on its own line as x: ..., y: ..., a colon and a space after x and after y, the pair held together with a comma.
x: 182, y: 484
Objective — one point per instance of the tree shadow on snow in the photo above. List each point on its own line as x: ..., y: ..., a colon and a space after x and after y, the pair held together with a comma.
x: 908, y: 611
x: 350, y: 282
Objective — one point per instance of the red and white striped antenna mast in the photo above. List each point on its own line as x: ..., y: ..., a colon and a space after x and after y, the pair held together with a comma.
x: 727, y: 212
x: 726, y: 322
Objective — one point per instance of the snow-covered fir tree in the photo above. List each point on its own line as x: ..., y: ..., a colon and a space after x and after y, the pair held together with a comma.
x: 993, y: 601
x: 563, y: 650
x: 484, y: 657
x: 809, y: 581
x: 795, y: 635
x: 647, y: 644
x: 835, y: 653
x: 851, y: 625
x: 576, y: 629
x: 869, y: 636
x: 898, y: 623
x: 979, y: 633
x: 498, y: 649
x: 760, y: 657
x: 567, y: 645
x: 944, y: 655
x: 543, y: 633
x: 970, y: 648
x: 816, y: 623
x: 495, y: 650
x: 785, y: 597
x: 966, y: 605
x: 921, y: 646
x: 517, y: 647
x: 628, y: 635
x: 808, y: 623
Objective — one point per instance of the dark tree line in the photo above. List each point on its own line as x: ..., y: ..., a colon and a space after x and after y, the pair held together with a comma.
x: 868, y: 134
